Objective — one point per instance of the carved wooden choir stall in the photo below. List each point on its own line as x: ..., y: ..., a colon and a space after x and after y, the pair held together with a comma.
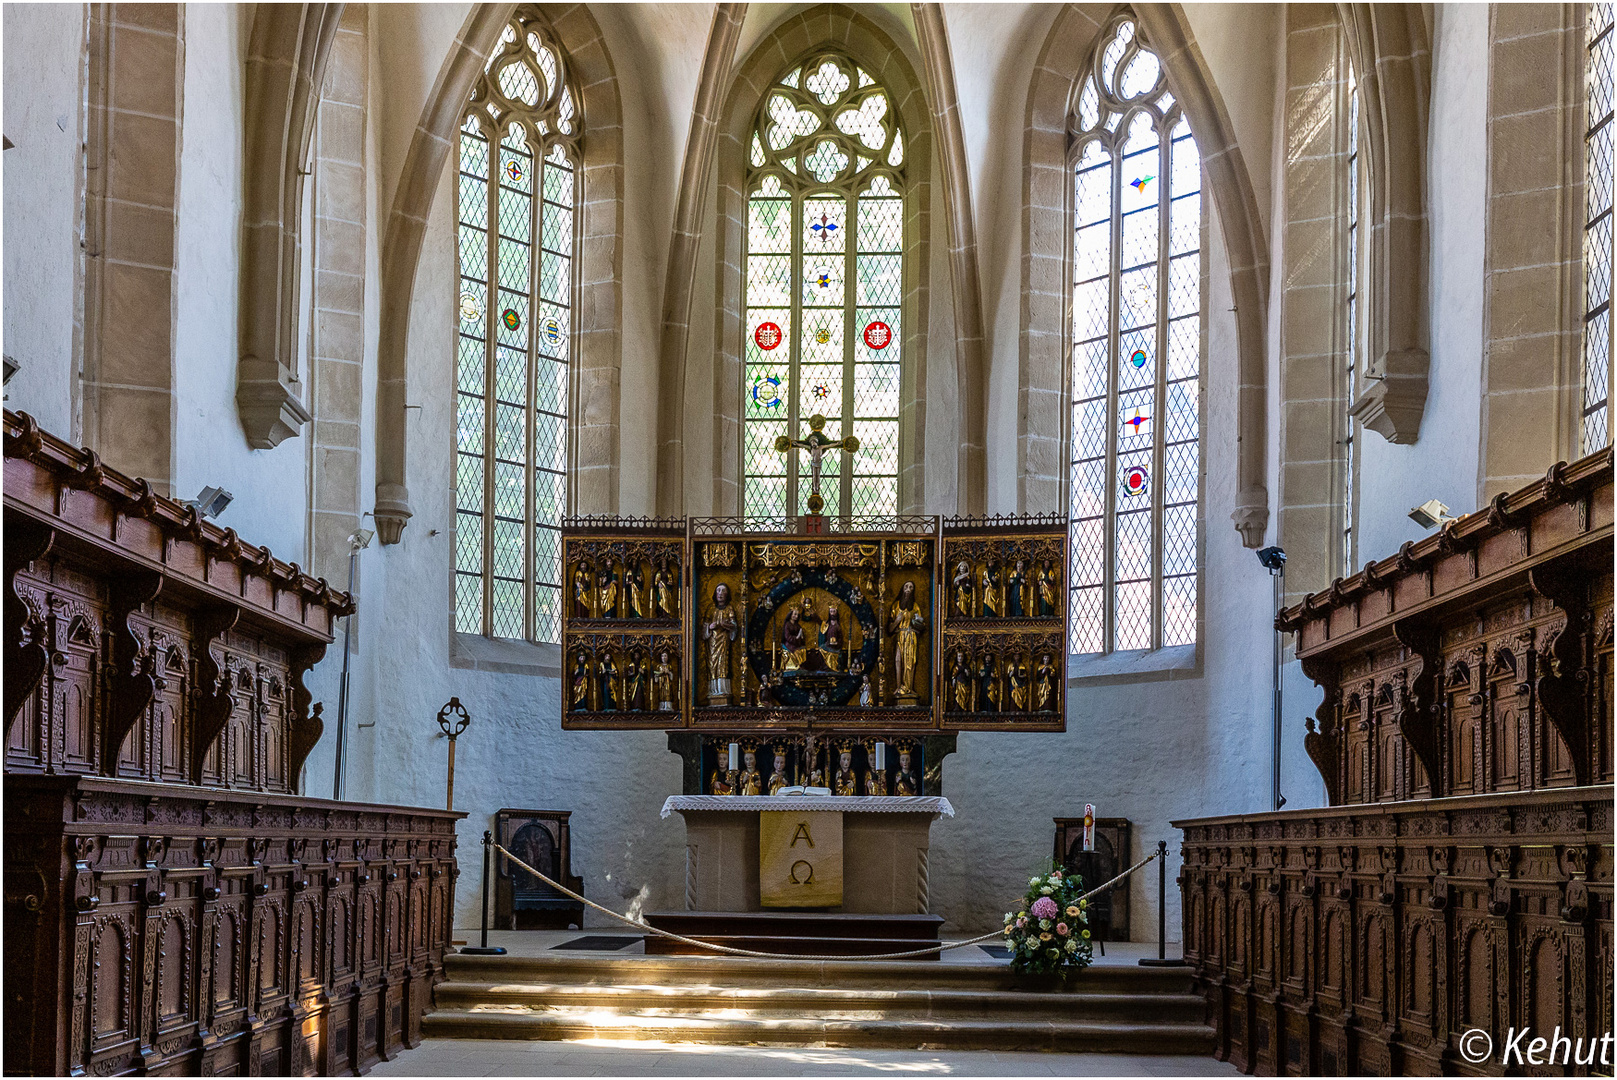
x: 172, y: 903
x: 1462, y: 876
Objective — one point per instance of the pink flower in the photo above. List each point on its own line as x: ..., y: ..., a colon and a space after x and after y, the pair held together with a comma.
x: 1044, y: 908
x: 1020, y: 923
x: 1061, y: 928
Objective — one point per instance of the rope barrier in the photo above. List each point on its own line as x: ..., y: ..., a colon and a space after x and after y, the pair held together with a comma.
x: 734, y: 951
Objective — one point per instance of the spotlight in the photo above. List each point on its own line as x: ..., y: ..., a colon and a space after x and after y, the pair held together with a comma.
x: 360, y: 539
x: 211, y: 501
x: 1272, y: 558
x: 1430, y: 513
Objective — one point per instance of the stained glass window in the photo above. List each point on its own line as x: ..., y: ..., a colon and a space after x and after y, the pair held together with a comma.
x: 824, y: 288
x: 1601, y: 76
x: 1136, y: 355
x: 1352, y: 361
x: 516, y: 189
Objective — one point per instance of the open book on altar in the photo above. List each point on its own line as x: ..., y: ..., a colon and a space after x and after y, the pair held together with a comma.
x: 796, y: 789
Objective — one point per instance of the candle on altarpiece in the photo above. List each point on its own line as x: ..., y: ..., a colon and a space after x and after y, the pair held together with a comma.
x: 735, y: 757
x: 881, y: 755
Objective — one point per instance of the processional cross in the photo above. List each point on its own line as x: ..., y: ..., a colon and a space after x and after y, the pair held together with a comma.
x: 817, y: 443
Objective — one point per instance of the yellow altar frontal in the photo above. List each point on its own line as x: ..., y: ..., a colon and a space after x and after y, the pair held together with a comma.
x: 845, y: 854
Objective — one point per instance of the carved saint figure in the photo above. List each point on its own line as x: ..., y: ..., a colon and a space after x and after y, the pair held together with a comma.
x: 719, y: 631
x: 963, y: 590
x: 906, y: 626
x: 721, y: 782
x: 581, y: 684
x: 1016, y: 591
x: 993, y: 602
x: 960, y: 680
x: 987, y: 686
x: 635, y: 586
x: 606, y: 682
x: 665, y: 684
x: 866, y: 699
x: 1044, y: 684
x: 793, y: 642
x: 1016, y: 672
x: 844, y: 782
x: 751, y: 781
x: 583, y: 594
x: 636, y: 678
x: 875, y: 779
x: 1049, y: 588
x: 606, y: 588
x: 777, y: 778
x: 907, y: 782
x: 665, y: 584
x: 832, y: 641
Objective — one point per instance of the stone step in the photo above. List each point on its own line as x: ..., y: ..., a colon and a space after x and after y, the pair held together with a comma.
x: 1068, y: 1036
x: 818, y: 1003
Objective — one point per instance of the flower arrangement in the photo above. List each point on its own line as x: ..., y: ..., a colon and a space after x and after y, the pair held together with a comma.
x: 1049, y: 934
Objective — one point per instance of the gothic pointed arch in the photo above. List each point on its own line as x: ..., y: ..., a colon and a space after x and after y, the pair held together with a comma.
x: 596, y: 340
x: 1045, y: 351
x: 848, y: 40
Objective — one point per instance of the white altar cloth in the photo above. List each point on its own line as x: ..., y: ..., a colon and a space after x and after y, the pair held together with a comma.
x: 853, y: 804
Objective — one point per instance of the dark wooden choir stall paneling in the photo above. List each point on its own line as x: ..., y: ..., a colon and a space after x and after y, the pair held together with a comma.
x: 172, y: 904
x: 1462, y: 876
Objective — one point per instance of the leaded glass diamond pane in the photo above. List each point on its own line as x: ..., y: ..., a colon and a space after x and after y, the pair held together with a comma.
x: 510, y: 495
x: 823, y: 280
x: 1137, y: 299
x: 1140, y: 236
x: 877, y: 338
x: 1600, y: 83
x: 507, y: 549
x: 558, y: 229
x: 1089, y: 368
x: 1134, y: 544
x: 469, y: 423
x: 1137, y: 361
x: 468, y: 603
x: 1089, y: 551
x: 558, y: 179
x: 547, y: 556
x: 874, y: 494
x: 469, y: 481
x: 549, y: 442
x: 1089, y: 488
x: 881, y: 280
x: 1089, y: 431
x: 469, y: 544
x: 1179, y: 610
x: 1091, y: 310
x: 760, y: 456
x: 469, y: 366
x: 1184, y: 285
x: 769, y: 225
x: 769, y: 280
x: 766, y: 389
x: 549, y: 496
x: 765, y: 497
x: 507, y: 608
x: 881, y: 224
x: 825, y: 227
x: 1085, y: 627
x: 1179, y: 539
x: 519, y: 83
x: 865, y: 121
x: 554, y: 330
x: 821, y: 391
x: 550, y: 386
x: 547, y: 614
x: 878, y: 448
x: 875, y: 394
x: 1133, y: 615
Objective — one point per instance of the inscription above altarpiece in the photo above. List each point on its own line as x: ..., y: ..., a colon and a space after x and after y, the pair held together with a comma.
x: 891, y: 624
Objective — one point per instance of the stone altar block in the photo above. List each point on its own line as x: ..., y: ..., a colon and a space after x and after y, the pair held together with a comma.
x: 885, y: 840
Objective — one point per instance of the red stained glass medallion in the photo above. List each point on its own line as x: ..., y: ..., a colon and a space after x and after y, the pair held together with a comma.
x: 878, y: 335
x: 767, y: 336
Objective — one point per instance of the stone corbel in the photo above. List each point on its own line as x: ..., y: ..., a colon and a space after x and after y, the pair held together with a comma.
x: 306, y: 726
x: 1562, y: 679
x: 133, y: 681
x: 27, y: 657
x: 214, y: 700
x: 1416, y: 716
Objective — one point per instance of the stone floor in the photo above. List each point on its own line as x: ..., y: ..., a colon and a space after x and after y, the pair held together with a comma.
x: 608, y: 1057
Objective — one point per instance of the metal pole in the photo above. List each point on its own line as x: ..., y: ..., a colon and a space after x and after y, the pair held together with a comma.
x: 451, y: 797
x: 337, y: 780
x: 1280, y: 588
x: 483, y: 949
x: 1161, y: 959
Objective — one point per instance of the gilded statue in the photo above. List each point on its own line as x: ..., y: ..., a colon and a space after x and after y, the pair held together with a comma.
x: 606, y: 587
x: 1049, y: 588
x: 906, y: 626
x: 580, y: 701
x: 987, y: 686
x: 719, y: 631
x: 778, y: 778
x: 793, y: 641
x: 751, y: 781
x: 1044, y: 684
x: 665, y: 684
x: 1017, y: 674
x: 583, y: 593
x: 665, y: 584
x: 906, y: 783
x: 875, y: 779
x: 721, y: 782
x: 637, y: 680
x: 832, y: 640
x: 635, y: 586
x: 1017, y: 596
x: 993, y: 601
x: 844, y: 782
x: 960, y: 681
x: 606, y: 680
x: 963, y: 590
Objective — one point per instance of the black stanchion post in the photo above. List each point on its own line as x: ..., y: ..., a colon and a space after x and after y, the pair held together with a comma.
x: 1161, y: 959
x: 482, y: 948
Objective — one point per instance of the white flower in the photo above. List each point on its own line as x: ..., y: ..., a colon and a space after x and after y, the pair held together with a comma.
x: 1047, y: 890
x: 1044, y: 924
x: 1032, y: 881
x: 1009, y: 916
x: 1072, y: 946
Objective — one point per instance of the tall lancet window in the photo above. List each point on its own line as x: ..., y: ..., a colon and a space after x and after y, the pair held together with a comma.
x: 823, y: 288
x: 516, y: 188
x: 1136, y: 354
x: 1598, y: 262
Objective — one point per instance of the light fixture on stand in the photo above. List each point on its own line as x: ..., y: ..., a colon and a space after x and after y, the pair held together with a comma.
x: 1430, y: 513
x: 358, y: 541
x: 1274, y: 561
x: 211, y: 501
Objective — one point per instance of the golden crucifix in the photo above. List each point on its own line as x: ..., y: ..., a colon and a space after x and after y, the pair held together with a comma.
x: 817, y: 443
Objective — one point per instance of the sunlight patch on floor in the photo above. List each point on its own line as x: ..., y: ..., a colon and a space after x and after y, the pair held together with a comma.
x: 797, y: 1057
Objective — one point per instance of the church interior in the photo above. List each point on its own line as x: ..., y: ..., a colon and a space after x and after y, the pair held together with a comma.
x: 681, y: 461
